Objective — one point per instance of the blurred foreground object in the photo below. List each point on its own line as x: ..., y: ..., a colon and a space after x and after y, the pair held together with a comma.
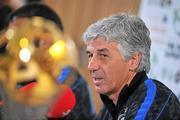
x: 38, y: 69
x: 62, y: 104
x: 84, y: 108
x: 36, y: 51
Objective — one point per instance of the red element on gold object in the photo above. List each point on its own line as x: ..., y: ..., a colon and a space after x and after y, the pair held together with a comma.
x: 1, y: 102
x: 64, y: 103
x: 28, y: 87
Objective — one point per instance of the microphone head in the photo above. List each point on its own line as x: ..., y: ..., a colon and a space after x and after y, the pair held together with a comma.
x: 63, y: 104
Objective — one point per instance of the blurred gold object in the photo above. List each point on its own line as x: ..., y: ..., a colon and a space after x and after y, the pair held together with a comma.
x: 36, y: 51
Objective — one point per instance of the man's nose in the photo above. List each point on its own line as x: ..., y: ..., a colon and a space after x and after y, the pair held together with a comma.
x: 93, y: 64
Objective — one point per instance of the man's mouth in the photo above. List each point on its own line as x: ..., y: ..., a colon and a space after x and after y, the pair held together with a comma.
x: 97, y: 81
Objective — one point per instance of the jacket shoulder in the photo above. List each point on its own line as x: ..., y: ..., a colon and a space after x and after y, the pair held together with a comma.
x: 165, y: 104
x: 153, y: 100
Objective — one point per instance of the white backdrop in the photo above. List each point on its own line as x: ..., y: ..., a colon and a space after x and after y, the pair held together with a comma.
x: 162, y: 17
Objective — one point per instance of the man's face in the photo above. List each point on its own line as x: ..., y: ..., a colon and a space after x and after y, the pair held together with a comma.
x: 107, y: 66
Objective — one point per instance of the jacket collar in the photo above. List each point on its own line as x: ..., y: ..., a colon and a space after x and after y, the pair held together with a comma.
x: 124, y: 94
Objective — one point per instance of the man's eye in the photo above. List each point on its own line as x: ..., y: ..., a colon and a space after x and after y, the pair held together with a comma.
x: 103, y: 55
x: 90, y: 55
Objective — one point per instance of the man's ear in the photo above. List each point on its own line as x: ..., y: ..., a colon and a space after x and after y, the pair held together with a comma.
x: 134, y: 61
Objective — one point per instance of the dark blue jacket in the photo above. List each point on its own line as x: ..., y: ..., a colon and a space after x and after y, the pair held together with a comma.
x: 143, y: 99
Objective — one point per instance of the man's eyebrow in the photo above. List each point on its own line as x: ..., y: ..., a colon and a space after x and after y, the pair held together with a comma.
x: 103, y: 50
x: 88, y: 52
x: 99, y: 50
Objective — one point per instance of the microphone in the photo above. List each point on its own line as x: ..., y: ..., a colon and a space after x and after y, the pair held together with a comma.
x: 1, y: 102
x: 63, y: 103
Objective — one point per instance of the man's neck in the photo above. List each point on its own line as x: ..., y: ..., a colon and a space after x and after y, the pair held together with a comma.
x: 114, y: 97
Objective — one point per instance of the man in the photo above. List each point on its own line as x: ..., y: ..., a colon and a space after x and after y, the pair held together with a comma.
x: 118, y: 49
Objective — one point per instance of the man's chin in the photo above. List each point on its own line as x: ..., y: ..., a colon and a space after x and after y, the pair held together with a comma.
x: 100, y: 90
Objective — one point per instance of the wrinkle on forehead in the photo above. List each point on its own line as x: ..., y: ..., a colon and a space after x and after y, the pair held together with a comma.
x: 101, y: 44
